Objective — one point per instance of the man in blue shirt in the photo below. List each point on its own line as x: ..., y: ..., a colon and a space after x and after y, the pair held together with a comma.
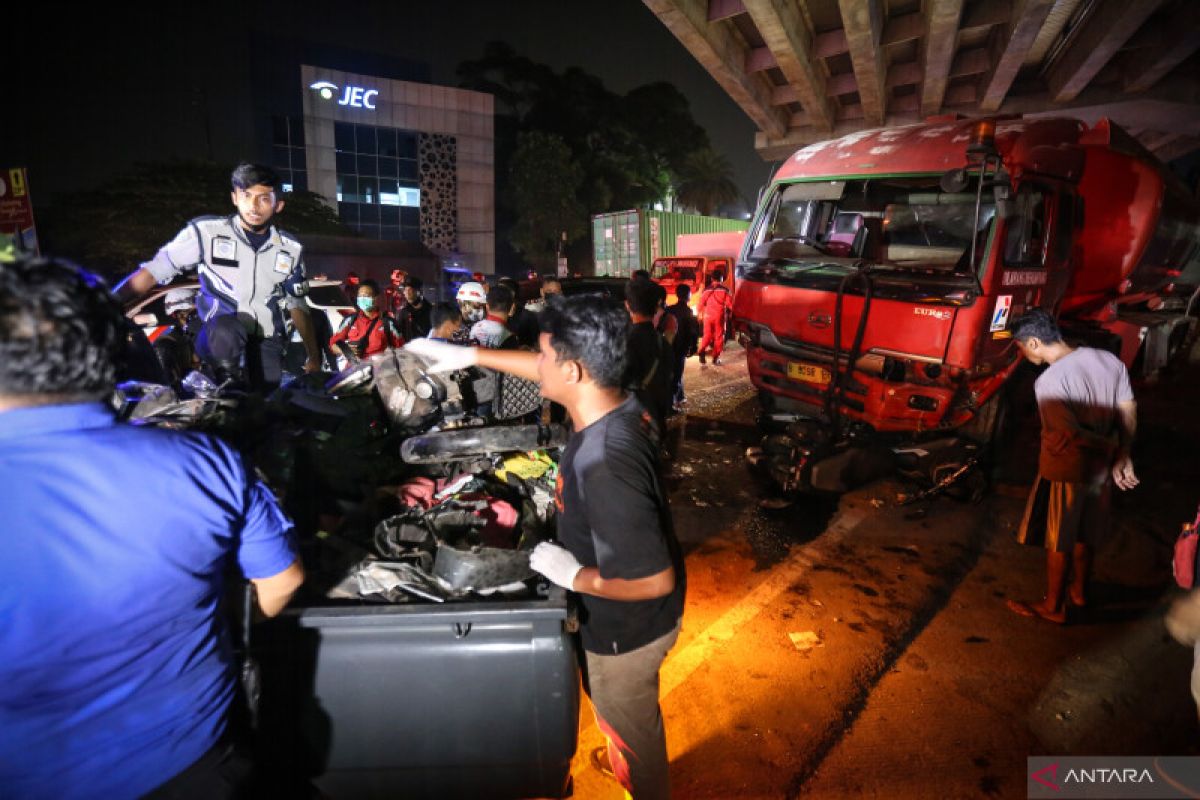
x: 116, y: 673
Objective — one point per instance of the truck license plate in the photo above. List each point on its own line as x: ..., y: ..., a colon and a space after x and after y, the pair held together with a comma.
x: 808, y: 373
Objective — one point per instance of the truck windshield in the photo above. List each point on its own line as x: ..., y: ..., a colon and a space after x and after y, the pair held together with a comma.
x: 893, y: 223
x: 683, y: 269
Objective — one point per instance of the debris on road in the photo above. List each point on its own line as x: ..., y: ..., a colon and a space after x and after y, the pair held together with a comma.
x: 806, y: 640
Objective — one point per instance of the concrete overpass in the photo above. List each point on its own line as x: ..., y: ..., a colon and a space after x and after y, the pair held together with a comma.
x: 808, y: 70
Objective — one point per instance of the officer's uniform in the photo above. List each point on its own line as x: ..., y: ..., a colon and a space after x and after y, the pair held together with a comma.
x: 244, y: 292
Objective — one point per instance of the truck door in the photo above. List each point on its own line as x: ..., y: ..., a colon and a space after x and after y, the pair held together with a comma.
x: 1031, y: 262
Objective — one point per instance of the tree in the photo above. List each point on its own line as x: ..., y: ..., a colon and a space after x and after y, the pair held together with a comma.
x: 544, y: 182
x: 706, y: 182
x: 627, y: 147
x: 123, y: 223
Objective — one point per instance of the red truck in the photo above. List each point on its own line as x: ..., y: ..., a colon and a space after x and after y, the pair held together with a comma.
x: 700, y: 255
x: 882, y: 271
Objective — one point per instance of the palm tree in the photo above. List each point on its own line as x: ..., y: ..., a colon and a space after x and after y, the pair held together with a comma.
x: 706, y: 181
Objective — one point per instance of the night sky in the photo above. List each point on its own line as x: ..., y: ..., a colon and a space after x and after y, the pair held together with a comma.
x: 101, y: 88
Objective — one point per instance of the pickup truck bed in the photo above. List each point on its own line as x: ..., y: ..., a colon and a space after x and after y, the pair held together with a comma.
x: 453, y: 700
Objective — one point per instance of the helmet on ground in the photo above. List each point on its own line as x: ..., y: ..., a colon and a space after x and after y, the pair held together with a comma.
x: 471, y: 292
x: 180, y: 300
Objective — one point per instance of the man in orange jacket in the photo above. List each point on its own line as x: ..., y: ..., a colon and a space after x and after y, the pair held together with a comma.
x: 714, y: 302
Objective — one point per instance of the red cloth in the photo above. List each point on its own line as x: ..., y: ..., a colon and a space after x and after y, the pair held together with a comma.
x: 383, y: 335
x: 500, y: 517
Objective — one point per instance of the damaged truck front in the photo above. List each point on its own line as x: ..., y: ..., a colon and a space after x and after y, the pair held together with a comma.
x: 883, y: 271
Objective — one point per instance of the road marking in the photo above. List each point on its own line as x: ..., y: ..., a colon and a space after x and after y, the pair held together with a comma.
x: 680, y: 664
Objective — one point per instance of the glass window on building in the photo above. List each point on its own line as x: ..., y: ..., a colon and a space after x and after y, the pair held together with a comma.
x: 288, y: 156
x: 378, y: 192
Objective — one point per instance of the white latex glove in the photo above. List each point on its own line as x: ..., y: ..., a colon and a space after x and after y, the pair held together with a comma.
x: 442, y: 356
x: 556, y: 563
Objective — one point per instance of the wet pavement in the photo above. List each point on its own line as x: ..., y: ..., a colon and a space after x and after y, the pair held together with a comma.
x: 849, y: 646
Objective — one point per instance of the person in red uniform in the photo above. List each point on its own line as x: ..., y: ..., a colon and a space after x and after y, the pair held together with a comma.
x: 394, y: 299
x: 369, y: 331
x: 714, y: 302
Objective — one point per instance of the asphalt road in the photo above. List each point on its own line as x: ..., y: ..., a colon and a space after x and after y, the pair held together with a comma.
x: 852, y: 647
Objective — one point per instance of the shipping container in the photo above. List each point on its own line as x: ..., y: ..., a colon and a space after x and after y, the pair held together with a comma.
x: 624, y: 241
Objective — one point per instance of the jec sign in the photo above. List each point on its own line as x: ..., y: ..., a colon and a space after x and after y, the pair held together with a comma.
x: 353, y: 96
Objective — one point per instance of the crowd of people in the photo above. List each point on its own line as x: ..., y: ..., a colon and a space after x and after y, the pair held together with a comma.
x: 117, y: 673
x: 119, y: 678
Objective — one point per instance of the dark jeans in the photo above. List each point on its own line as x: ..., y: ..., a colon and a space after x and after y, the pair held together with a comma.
x: 222, y: 773
x: 224, y: 341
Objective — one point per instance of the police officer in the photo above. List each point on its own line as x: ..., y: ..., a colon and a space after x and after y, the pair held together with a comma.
x: 250, y: 273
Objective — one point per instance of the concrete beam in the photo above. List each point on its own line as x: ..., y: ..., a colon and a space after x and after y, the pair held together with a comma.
x: 904, y: 28
x: 908, y: 74
x: 941, y: 38
x: 830, y: 44
x: 784, y: 95
x: 863, y: 22
x: 1171, y: 105
x: 760, y: 59
x: 845, y: 83
x: 723, y: 55
x: 1105, y: 31
x: 961, y: 95
x: 724, y: 9
x: 1156, y: 140
x: 1178, y: 149
x: 1179, y: 40
x: 786, y: 36
x: 987, y: 15
x: 1012, y: 49
x: 971, y: 62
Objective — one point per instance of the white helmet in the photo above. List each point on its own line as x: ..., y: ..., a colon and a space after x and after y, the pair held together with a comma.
x: 180, y: 300
x: 471, y: 291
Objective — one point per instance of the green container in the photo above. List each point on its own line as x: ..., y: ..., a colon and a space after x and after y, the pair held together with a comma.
x: 624, y: 241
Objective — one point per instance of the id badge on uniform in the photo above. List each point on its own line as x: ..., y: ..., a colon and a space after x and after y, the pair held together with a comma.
x: 284, y: 263
x: 224, y: 249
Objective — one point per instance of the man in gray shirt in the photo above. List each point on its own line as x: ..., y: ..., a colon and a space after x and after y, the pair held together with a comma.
x: 252, y: 282
x: 1088, y: 417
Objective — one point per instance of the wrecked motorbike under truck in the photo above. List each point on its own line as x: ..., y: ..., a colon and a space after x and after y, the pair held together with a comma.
x: 883, y: 271
x: 423, y: 658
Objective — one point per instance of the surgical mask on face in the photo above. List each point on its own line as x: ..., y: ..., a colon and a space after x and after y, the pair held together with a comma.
x: 366, y: 303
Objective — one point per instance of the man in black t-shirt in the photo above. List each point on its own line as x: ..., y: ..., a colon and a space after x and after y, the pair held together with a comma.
x: 619, y: 551
x: 650, y: 367
x: 413, y: 318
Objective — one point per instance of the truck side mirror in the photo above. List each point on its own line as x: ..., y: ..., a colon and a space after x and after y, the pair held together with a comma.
x: 954, y: 181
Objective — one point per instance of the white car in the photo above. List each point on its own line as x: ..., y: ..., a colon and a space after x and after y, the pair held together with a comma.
x: 325, y: 297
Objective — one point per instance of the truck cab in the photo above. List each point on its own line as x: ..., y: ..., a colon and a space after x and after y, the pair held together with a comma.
x: 694, y: 271
x: 882, y: 271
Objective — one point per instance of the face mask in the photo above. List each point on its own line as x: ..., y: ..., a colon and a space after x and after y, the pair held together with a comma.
x: 473, y: 314
x: 366, y: 303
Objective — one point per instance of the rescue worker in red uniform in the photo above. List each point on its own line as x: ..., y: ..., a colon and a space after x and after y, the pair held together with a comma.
x: 715, y: 301
x: 394, y: 299
x: 369, y: 331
